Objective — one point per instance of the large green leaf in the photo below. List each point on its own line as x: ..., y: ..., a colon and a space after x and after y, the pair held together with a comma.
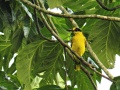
x: 24, y: 62
x: 80, y: 5
x: 37, y: 57
x: 49, y: 60
x: 105, y: 36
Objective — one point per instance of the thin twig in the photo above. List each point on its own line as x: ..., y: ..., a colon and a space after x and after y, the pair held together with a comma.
x: 95, y: 16
x: 38, y: 27
x: 71, y: 19
x: 49, y: 18
x: 106, y: 8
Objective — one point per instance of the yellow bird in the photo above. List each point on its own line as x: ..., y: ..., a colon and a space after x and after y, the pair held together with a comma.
x: 78, y: 44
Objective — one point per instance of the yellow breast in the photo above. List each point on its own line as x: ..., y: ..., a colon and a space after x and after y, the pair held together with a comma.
x: 78, y: 43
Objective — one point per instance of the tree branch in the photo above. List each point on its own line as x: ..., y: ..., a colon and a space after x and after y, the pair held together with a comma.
x: 65, y: 45
x: 38, y: 27
x: 106, y: 8
x: 62, y: 42
x: 71, y: 55
x: 90, y: 49
x: 72, y: 16
x: 49, y: 18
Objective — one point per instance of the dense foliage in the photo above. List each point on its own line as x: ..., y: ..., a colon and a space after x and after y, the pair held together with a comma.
x: 33, y: 58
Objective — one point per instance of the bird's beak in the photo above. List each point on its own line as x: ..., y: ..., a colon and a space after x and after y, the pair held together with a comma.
x: 69, y: 30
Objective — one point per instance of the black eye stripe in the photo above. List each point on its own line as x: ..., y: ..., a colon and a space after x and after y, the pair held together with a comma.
x: 77, y: 29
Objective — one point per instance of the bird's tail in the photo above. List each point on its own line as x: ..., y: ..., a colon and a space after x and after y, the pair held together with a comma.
x: 77, y: 66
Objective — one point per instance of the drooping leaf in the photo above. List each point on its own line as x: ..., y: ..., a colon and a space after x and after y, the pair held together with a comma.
x: 105, y: 41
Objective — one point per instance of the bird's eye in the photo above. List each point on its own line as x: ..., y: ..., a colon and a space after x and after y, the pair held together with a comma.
x: 77, y: 29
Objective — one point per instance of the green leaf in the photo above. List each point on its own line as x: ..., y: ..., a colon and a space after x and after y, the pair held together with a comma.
x: 61, y: 27
x: 71, y: 72
x: 74, y: 5
x: 5, y: 52
x: 26, y: 10
x: 78, y: 78
x: 55, y: 3
x: 5, y: 83
x: 45, y: 32
x: 81, y: 5
x: 50, y: 87
x: 105, y: 38
x: 24, y: 62
x: 85, y: 84
x: 48, y: 61
x: 116, y: 84
x: 1, y: 25
x: 3, y: 44
x: 17, y: 39
x: 7, y: 32
x: 5, y: 17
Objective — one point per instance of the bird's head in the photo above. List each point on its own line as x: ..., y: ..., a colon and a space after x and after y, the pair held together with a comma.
x: 74, y: 30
